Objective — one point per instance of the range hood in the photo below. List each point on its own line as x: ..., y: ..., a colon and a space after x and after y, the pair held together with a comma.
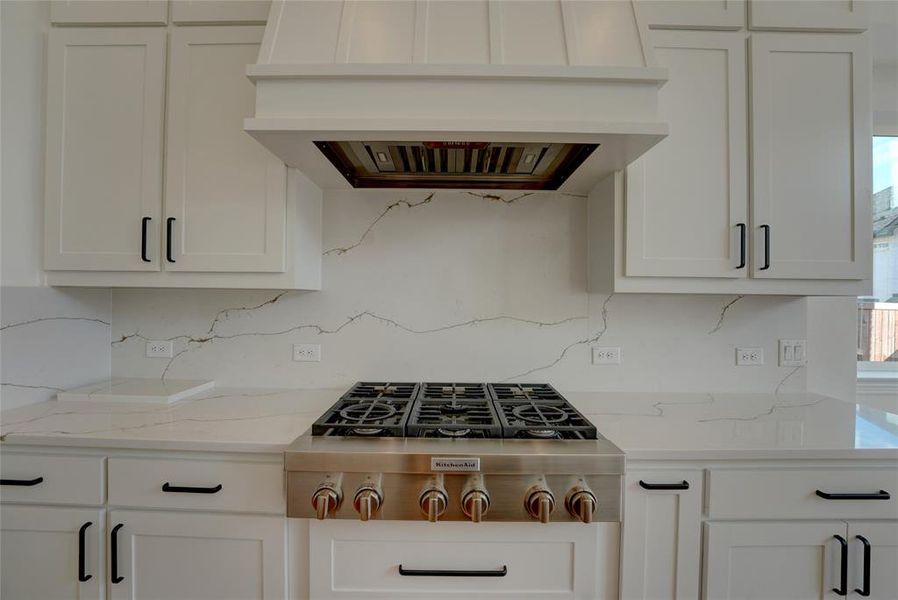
x: 474, y: 94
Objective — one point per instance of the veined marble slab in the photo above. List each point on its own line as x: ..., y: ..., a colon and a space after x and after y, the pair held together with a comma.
x: 646, y: 426
x: 138, y: 389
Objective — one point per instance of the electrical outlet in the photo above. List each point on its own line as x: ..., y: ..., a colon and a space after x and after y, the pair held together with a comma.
x: 159, y: 349
x: 307, y: 352
x: 793, y: 353
x: 606, y: 356
x: 749, y: 356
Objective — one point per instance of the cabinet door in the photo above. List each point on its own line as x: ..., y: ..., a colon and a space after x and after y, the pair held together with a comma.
x: 84, y: 12
x: 220, y: 11
x: 821, y: 15
x: 40, y: 550
x: 766, y: 559
x: 811, y: 156
x: 104, y: 148
x: 881, y: 559
x: 692, y: 14
x: 173, y: 556
x: 660, y: 553
x: 224, y: 190
x: 687, y: 196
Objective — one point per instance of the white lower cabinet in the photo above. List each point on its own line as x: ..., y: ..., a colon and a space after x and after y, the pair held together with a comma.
x: 178, y: 556
x: 874, y: 559
x: 51, y: 553
x: 393, y: 559
x: 661, y: 545
x: 773, y: 559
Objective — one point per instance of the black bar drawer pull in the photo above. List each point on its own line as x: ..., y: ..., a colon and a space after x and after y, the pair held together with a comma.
x: 167, y: 487
x: 865, y: 591
x: 82, y: 576
x: 880, y: 495
x: 766, y: 266
x: 113, y: 551
x: 168, y: 234
x: 683, y: 485
x: 742, y: 245
x: 22, y: 482
x: 143, y: 239
x: 451, y: 572
x: 842, y: 590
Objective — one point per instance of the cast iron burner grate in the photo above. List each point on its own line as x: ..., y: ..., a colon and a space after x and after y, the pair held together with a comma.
x: 454, y: 410
x: 369, y: 410
x: 524, y: 391
x: 543, y: 419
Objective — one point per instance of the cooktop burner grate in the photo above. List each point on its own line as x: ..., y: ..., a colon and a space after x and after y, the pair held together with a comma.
x: 524, y: 391
x: 464, y: 391
x: 369, y: 409
x: 365, y: 389
x: 543, y: 419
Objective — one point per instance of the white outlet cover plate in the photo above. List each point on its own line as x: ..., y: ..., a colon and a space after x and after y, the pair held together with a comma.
x: 793, y: 353
x: 606, y: 356
x: 307, y: 352
x: 159, y: 349
x: 749, y: 356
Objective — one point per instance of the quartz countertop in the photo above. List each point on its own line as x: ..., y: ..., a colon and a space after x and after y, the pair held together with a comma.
x: 646, y: 426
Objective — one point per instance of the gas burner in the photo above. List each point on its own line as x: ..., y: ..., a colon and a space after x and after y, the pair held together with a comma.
x: 524, y: 391
x: 451, y: 433
x: 543, y: 419
x: 367, y: 412
x: 367, y: 431
x: 543, y: 434
x: 454, y: 418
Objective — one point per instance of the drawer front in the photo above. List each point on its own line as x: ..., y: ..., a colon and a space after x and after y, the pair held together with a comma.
x: 560, y: 560
x: 52, y: 479
x: 785, y: 494
x: 197, y: 484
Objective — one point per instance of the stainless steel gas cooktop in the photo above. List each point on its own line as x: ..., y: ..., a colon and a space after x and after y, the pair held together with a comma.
x: 454, y: 451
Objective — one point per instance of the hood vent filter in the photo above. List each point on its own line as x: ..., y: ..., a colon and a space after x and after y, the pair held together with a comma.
x: 451, y: 164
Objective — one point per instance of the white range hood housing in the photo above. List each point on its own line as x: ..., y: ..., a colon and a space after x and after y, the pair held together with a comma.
x: 500, y: 71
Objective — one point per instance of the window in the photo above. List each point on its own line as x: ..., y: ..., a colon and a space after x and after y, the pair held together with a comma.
x: 878, y: 314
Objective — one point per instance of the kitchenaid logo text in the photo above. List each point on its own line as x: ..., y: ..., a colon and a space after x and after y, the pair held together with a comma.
x: 454, y: 464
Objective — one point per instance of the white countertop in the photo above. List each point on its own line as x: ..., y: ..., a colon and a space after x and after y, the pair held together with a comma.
x: 646, y: 426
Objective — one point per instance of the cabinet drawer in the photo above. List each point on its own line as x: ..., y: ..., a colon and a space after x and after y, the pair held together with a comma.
x: 197, y: 484
x: 51, y: 479
x: 362, y: 560
x: 784, y: 494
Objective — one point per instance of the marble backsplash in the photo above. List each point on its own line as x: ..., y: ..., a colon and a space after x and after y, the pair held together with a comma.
x: 456, y: 286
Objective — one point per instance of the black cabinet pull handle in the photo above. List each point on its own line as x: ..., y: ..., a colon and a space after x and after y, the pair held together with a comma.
x: 82, y: 576
x: 113, y: 551
x: 451, y: 572
x: 22, y: 482
x: 168, y: 231
x: 842, y: 590
x: 865, y: 591
x: 167, y: 487
x: 742, y: 245
x: 143, y: 239
x: 766, y: 266
x: 880, y: 495
x: 684, y: 485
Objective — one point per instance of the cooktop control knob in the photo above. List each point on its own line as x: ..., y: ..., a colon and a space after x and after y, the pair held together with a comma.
x: 539, y: 502
x: 368, y: 498
x: 475, y: 500
x: 327, y: 499
x: 433, y: 499
x: 580, y: 502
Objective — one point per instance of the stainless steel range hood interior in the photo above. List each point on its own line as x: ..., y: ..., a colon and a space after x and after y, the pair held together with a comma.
x: 541, y: 94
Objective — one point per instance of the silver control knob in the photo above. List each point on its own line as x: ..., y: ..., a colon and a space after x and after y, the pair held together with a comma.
x: 433, y: 503
x: 581, y: 503
x: 475, y: 504
x: 540, y: 502
x: 326, y: 500
x: 367, y: 501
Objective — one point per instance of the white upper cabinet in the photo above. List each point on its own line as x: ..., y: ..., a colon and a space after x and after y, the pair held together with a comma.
x: 687, y: 198
x: 692, y: 14
x: 821, y: 15
x: 220, y: 11
x: 811, y: 156
x: 84, y: 12
x: 104, y: 148
x: 225, y: 194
